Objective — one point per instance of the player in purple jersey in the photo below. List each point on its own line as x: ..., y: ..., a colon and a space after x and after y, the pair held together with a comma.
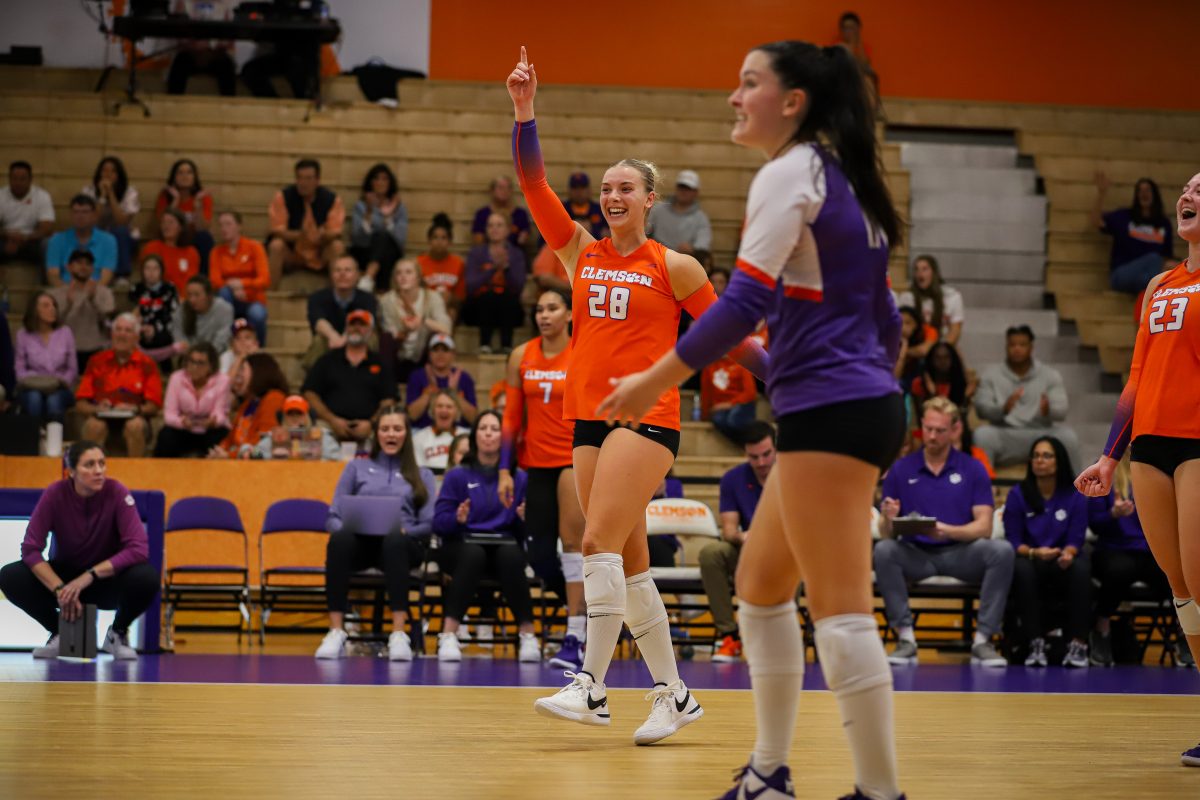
x: 813, y: 261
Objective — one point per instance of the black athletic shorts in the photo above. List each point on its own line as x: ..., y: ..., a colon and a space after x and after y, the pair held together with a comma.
x: 870, y: 430
x: 1164, y: 453
x: 593, y: 432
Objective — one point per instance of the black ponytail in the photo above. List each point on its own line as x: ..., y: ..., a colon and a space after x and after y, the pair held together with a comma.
x: 841, y: 114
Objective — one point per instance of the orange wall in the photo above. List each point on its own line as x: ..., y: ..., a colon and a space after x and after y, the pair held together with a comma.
x: 1097, y: 53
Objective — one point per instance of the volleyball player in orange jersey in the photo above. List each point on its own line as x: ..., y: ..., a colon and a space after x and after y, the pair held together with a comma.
x: 627, y: 293
x: 1157, y: 412
x: 536, y: 382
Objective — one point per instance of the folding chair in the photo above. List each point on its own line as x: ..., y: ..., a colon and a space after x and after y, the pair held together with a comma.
x: 293, y: 542
x: 200, y: 586
x: 687, y: 519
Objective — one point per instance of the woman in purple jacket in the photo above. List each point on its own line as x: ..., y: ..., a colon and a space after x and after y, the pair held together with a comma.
x: 495, y: 276
x: 390, y: 471
x: 1045, y: 520
x: 46, y: 367
x: 99, y: 556
x: 481, y: 537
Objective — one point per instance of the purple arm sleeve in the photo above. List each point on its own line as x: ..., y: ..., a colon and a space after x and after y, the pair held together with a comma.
x: 726, y: 323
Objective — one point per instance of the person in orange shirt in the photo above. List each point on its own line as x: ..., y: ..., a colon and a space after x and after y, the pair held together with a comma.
x: 181, y: 261
x: 534, y: 389
x: 240, y: 273
x: 120, y: 390
x: 1156, y: 418
x: 306, y: 222
x: 727, y: 397
x: 262, y: 386
x: 627, y: 295
x: 441, y: 269
x: 184, y: 193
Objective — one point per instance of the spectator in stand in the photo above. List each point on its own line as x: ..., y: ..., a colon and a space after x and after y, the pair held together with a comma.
x: 296, y: 437
x: 1121, y: 557
x: 728, y: 396
x: 239, y: 272
x: 441, y: 269
x: 850, y: 37
x: 516, y: 219
x: 741, y: 488
x: 916, y: 339
x: 98, y: 557
x: 85, y: 306
x: 45, y: 366
x: 184, y: 193
x: 262, y: 386
x: 26, y: 215
x: 411, y: 313
x: 181, y: 261
x: 328, y: 308
x: 433, y: 443
x: 121, y: 391
x: 1143, y: 240
x: 1022, y: 400
x: 495, y: 277
x: 197, y: 407
x: 306, y: 222
x: 117, y: 206
x: 157, y: 303
x: 945, y: 376
x: 482, y: 536
x: 242, y: 343
x: 681, y: 224
x: 378, y: 228
x: 440, y: 372
x: 459, y: 449
x: 941, y: 306
x: 941, y: 482
x: 348, y: 386
x: 582, y: 207
x: 963, y: 440
x: 719, y: 277
x: 82, y: 235
x: 203, y: 57
x: 203, y: 317
x: 1045, y: 521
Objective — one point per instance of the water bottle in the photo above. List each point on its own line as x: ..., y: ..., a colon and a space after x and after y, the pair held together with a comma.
x: 205, y: 9
x: 695, y: 408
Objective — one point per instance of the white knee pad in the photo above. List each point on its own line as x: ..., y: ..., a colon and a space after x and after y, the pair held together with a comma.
x: 1189, y: 615
x: 852, y: 657
x: 604, y: 584
x: 644, y: 605
x: 572, y: 566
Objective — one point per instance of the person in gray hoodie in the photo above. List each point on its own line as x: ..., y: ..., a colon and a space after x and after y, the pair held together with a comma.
x: 1021, y: 400
x: 202, y: 317
x: 681, y: 224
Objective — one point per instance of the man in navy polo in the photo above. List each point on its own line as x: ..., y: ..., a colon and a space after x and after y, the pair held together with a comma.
x: 741, y: 488
x: 952, y: 487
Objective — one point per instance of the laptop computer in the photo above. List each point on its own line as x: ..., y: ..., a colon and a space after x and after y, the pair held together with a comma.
x: 77, y: 639
x: 371, y: 516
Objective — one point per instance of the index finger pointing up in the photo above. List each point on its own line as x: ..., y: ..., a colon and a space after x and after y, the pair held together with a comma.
x: 524, y: 58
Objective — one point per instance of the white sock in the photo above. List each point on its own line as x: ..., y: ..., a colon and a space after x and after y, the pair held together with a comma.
x: 577, y: 627
x: 604, y: 590
x: 857, y: 672
x: 979, y: 639
x: 907, y: 634
x: 647, y: 619
x: 774, y: 649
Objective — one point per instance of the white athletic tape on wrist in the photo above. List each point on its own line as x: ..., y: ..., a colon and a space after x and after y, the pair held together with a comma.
x: 1189, y: 615
x: 572, y: 567
x: 604, y: 584
x: 643, y: 604
x: 852, y: 657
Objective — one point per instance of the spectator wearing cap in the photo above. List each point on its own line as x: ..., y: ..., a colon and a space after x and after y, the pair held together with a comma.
x: 953, y: 488
x: 741, y: 489
x: 196, y: 412
x: 1021, y: 400
x: 432, y: 444
x: 26, y: 215
x: 240, y: 273
x: 502, y: 202
x: 180, y: 260
x: 349, y: 384
x: 296, y: 437
x: 441, y: 372
x: 306, y: 222
x: 82, y: 235
x: 681, y: 224
x: 243, y: 342
x: 203, y: 317
x: 157, y: 302
x: 121, y: 390
x: 495, y: 276
x: 85, y: 305
x: 327, y: 308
